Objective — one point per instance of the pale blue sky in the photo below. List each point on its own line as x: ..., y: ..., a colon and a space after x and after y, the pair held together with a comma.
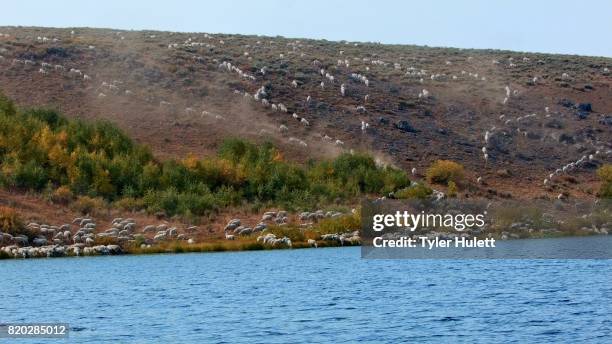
x: 557, y: 26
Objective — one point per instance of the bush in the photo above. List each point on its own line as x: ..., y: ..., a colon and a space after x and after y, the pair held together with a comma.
x: 605, y: 175
x: 452, y: 189
x: 418, y: 191
x: 10, y: 222
x: 89, y: 205
x: 7, y: 106
x: 444, y: 171
x: 62, y: 195
x: 130, y: 204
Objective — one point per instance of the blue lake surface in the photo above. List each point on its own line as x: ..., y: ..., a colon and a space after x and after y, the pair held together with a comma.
x: 309, y: 295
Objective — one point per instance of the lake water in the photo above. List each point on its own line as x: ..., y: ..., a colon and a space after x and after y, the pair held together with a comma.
x: 309, y: 295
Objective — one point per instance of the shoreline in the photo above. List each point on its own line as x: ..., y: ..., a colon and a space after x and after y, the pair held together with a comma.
x: 179, y: 247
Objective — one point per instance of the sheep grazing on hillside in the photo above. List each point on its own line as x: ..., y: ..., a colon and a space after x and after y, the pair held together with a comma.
x: 298, y: 141
x: 42, y: 71
x: 308, y: 99
x: 305, y: 121
x: 294, y: 83
x: 283, y: 128
x: 364, y: 126
x: 274, y: 107
x: 322, y: 84
x: 413, y: 171
x: 424, y: 94
x: 343, y: 90
x: 261, y: 93
x: 487, y: 136
x: 86, y: 77
x: 366, y: 97
x: 282, y: 107
x: 339, y: 143
x: 479, y: 180
x: 360, y: 78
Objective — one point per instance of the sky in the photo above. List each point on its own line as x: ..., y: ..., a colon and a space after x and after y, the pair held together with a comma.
x: 550, y: 26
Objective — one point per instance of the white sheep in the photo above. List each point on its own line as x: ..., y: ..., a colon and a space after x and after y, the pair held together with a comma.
x: 308, y: 99
x: 343, y: 90
x: 424, y: 94
x: 339, y: 143
x: 283, y: 128
x: 294, y: 83
x: 304, y: 121
x: 413, y: 171
x: 364, y: 126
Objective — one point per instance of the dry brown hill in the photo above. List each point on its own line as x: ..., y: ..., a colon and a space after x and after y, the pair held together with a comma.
x: 184, y: 92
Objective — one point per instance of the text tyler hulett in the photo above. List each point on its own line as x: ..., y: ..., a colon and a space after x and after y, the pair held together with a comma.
x: 428, y: 243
